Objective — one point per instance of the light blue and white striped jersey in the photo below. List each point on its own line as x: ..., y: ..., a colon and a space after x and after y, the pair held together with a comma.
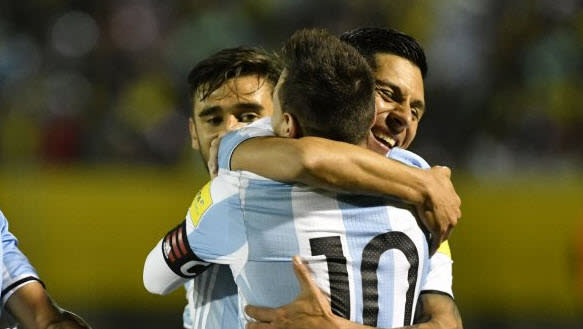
x: 16, y: 270
x: 369, y: 254
x: 212, y: 300
x: 439, y: 279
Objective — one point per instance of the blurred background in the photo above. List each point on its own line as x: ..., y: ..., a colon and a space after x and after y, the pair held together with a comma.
x: 95, y: 163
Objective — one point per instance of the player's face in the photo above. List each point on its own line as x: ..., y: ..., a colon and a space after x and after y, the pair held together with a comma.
x: 239, y: 100
x: 399, y: 103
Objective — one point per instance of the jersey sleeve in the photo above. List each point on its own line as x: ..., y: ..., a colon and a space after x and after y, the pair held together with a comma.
x: 214, y: 223
x: 230, y: 141
x: 212, y: 232
x: 16, y: 269
x: 439, y: 278
x: 408, y: 158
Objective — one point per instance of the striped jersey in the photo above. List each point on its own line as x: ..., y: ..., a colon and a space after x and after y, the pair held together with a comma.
x: 368, y: 254
x: 212, y: 300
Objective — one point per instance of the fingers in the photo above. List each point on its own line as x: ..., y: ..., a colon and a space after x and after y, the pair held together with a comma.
x: 263, y: 314
x: 303, y: 275
x: 444, y: 170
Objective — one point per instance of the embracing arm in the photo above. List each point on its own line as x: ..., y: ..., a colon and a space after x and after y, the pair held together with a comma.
x: 323, y: 163
x: 200, y: 240
x: 344, y: 167
x: 32, y: 307
x: 171, y: 263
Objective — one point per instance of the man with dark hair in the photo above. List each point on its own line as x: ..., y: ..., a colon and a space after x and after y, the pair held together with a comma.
x: 255, y: 225
x: 399, y: 66
x: 229, y: 89
x: 326, y: 99
x: 396, y: 60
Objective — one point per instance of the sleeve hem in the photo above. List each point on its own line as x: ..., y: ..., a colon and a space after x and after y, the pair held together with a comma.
x: 439, y: 292
x: 13, y: 287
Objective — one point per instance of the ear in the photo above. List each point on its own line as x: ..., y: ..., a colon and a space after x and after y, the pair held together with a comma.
x: 193, y: 135
x: 290, y: 126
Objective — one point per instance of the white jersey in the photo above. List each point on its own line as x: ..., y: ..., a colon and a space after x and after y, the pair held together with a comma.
x: 16, y: 270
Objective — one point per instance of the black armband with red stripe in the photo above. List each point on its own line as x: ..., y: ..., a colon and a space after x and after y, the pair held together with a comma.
x: 178, y: 255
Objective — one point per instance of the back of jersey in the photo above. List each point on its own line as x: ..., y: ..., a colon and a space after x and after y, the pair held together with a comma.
x: 368, y: 254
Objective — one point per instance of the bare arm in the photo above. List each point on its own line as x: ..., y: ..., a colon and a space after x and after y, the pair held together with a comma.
x: 438, y: 311
x: 32, y: 307
x: 344, y: 167
x: 311, y: 310
x: 323, y: 163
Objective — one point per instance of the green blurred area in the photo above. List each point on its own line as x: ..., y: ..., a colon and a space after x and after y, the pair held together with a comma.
x: 88, y: 230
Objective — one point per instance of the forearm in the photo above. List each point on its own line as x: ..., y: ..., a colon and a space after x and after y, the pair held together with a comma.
x: 32, y: 307
x: 325, y: 164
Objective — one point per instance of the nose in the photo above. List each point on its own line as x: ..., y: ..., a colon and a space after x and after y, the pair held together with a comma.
x: 400, y: 118
x: 231, y: 122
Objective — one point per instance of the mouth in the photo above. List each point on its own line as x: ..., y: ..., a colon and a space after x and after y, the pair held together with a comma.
x: 381, y: 142
x: 385, y: 139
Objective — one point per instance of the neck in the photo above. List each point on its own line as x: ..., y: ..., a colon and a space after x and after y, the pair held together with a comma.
x: 363, y: 143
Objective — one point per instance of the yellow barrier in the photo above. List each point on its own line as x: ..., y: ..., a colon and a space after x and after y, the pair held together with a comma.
x: 88, y: 230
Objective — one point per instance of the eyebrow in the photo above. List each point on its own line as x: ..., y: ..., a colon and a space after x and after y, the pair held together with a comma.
x: 240, y: 106
x: 209, y: 111
x: 416, y: 103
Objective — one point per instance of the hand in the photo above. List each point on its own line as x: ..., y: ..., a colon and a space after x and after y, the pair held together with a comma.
x: 441, y: 209
x: 214, y: 149
x: 310, y: 309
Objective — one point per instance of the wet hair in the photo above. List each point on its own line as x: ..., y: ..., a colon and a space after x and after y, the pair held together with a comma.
x: 328, y: 86
x: 209, y: 74
x: 373, y: 40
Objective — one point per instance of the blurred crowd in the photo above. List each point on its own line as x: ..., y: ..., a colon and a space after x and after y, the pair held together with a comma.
x: 105, y: 81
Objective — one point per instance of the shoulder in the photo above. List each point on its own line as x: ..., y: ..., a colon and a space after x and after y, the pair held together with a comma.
x: 408, y: 158
x: 230, y: 141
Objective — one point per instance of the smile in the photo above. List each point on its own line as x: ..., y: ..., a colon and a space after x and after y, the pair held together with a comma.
x: 385, y: 139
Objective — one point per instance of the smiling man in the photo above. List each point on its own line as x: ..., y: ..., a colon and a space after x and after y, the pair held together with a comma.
x: 430, y: 190
x: 284, y: 125
x: 399, y: 66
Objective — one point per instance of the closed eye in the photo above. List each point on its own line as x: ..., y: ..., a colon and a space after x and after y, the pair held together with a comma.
x: 386, y: 94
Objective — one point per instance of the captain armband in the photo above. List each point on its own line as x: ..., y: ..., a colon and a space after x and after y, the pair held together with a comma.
x: 178, y: 255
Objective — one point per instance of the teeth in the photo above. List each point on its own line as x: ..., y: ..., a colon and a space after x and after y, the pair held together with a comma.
x: 389, y: 140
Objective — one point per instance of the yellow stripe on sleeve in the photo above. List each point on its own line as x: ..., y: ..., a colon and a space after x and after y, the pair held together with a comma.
x: 202, y: 201
x: 444, y: 249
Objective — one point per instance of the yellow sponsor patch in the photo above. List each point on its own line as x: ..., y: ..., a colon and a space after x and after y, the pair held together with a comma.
x: 444, y: 249
x: 202, y: 201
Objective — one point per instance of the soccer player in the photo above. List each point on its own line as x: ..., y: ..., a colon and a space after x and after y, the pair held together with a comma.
x: 330, y: 77
x: 230, y: 88
x: 218, y: 75
x: 399, y: 66
x: 24, y: 295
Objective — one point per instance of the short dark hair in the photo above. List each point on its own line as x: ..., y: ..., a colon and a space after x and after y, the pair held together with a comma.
x: 209, y: 74
x: 373, y: 40
x: 328, y: 87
